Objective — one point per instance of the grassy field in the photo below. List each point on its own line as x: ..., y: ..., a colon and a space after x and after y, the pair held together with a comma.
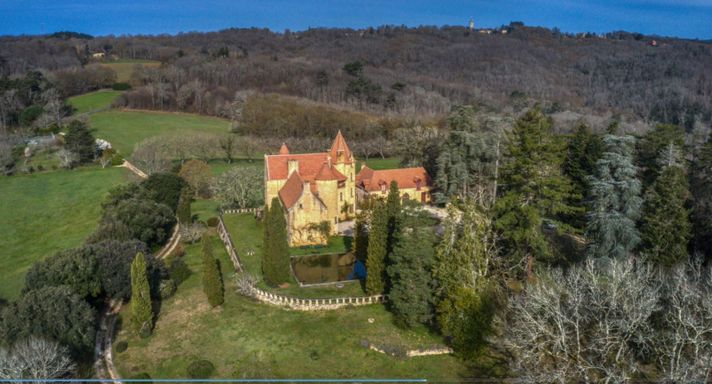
x: 44, y: 213
x: 124, y: 129
x: 124, y: 68
x: 245, y: 339
x: 246, y: 233
x: 93, y: 101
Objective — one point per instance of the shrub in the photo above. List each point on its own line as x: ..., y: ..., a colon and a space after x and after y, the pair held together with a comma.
x: 117, y: 159
x: 121, y: 346
x: 179, y: 270
x: 52, y: 312
x: 121, y: 86
x: 200, y: 369
x: 146, y: 220
x: 165, y: 188
x: 167, y: 288
x: 30, y: 114
x: 213, y: 222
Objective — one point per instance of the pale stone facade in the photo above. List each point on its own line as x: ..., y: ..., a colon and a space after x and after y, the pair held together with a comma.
x: 314, y: 189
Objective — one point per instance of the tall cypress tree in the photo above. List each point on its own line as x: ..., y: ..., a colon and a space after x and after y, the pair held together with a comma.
x: 360, y: 246
x: 183, y: 211
x: 535, y: 188
x: 377, y: 250
x: 141, y: 308
x: 212, y: 277
x: 411, y: 294
x: 393, y: 207
x: 666, y: 229
x: 275, y: 260
x: 615, y: 201
x: 701, y: 187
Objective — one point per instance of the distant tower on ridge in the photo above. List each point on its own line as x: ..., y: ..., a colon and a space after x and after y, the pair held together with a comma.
x: 472, y: 24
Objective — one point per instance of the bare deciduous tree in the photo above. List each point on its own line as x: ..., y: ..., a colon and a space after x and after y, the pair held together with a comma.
x: 35, y: 358
x: 67, y: 158
x: 585, y: 325
x: 150, y: 156
x: 684, y: 347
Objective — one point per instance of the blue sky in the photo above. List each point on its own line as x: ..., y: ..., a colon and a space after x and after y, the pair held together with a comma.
x: 683, y: 18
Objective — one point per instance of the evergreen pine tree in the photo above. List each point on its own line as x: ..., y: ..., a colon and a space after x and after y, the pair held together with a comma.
x: 584, y: 150
x: 652, y: 144
x: 411, y: 294
x: 467, y: 158
x: 212, y: 277
x: 377, y: 250
x: 80, y: 141
x: 701, y: 187
x: 615, y: 201
x: 666, y: 229
x: 275, y: 260
x: 534, y: 189
x: 141, y: 307
x: 183, y: 211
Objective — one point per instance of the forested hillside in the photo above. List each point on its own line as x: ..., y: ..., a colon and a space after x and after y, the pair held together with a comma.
x: 402, y: 71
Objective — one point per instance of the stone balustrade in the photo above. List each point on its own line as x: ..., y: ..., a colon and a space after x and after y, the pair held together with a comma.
x: 295, y: 303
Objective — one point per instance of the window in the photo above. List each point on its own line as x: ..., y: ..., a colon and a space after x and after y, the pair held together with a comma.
x: 352, y: 192
x: 301, y: 206
x: 341, y: 196
x: 417, y: 185
x: 336, y: 220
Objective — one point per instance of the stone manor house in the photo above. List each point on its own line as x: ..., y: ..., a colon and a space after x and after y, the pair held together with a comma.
x: 320, y: 188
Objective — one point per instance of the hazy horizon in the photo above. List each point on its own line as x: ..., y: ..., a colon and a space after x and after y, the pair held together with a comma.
x: 684, y: 19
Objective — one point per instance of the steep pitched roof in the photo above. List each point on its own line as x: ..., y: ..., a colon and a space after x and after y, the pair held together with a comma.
x: 292, y: 190
x: 309, y: 165
x: 328, y: 172
x: 283, y: 150
x: 340, y: 145
x: 371, y: 180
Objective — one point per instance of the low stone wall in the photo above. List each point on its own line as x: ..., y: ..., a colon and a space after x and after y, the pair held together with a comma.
x: 295, y: 303
x: 403, y: 353
x: 240, y: 210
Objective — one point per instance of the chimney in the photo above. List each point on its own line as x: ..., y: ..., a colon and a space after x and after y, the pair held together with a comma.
x: 292, y: 166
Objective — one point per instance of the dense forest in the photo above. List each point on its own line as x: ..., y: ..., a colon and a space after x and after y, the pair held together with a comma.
x: 415, y: 72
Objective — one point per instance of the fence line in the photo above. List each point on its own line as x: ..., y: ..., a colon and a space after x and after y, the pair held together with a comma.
x: 296, y: 303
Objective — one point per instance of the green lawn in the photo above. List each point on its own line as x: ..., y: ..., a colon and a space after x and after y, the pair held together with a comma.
x: 245, y: 339
x: 124, y: 68
x: 378, y: 163
x: 124, y: 129
x: 93, y: 101
x: 47, y: 212
x: 246, y: 233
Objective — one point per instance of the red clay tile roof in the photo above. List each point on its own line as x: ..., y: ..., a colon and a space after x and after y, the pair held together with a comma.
x: 371, y: 180
x: 340, y: 145
x: 329, y: 173
x: 292, y: 190
x: 309, y: 165
x: 283, y: 150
